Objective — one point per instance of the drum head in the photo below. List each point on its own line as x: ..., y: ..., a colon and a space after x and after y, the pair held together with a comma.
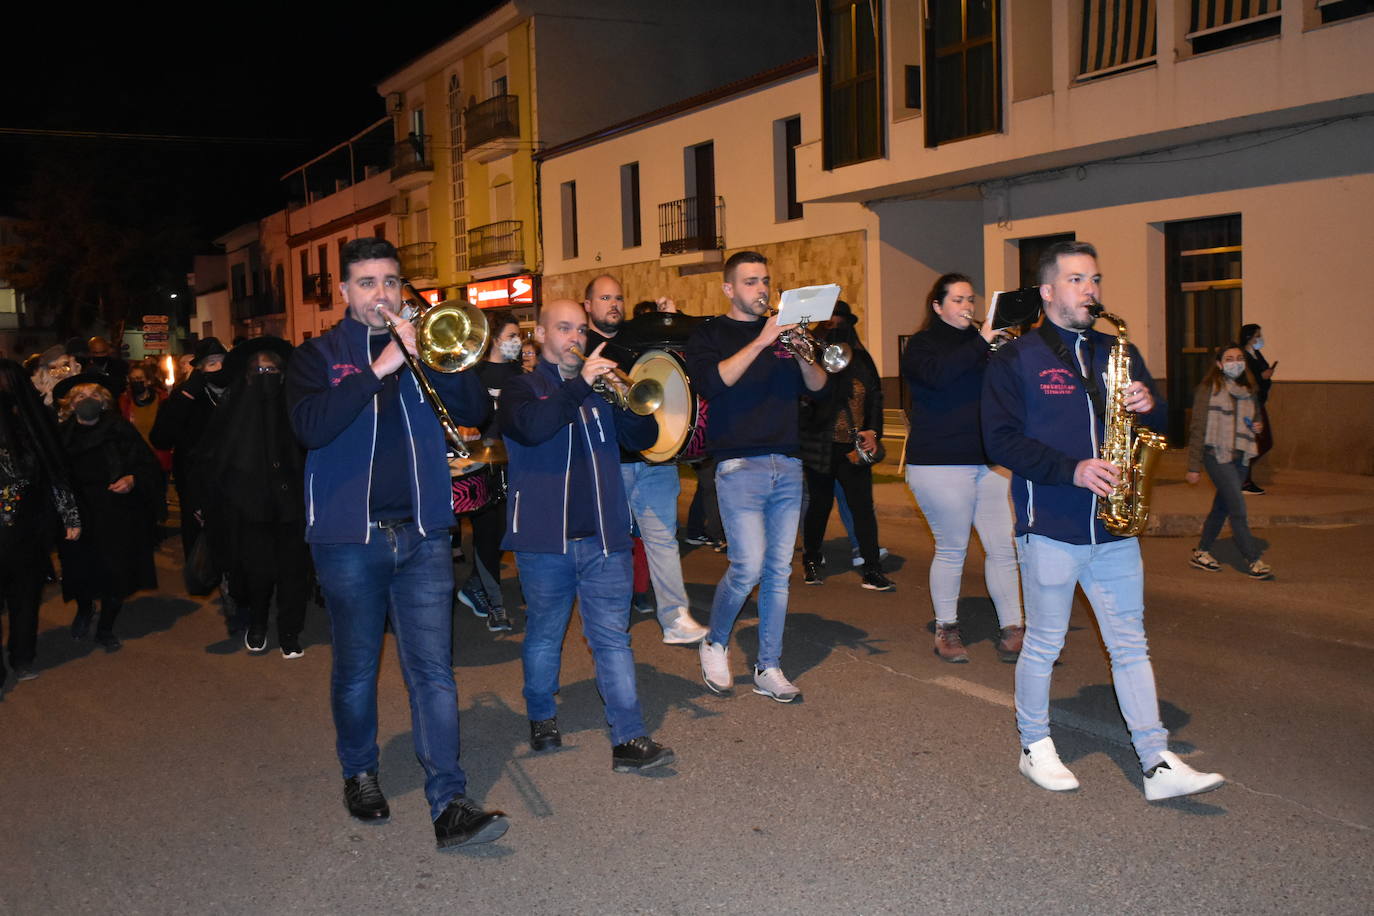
x: 677, y: 417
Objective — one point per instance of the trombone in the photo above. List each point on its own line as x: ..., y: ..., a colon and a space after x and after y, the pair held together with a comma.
x: 642, y: 397
x: 450, y: 337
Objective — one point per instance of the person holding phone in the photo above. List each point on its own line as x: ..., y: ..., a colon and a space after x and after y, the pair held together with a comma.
x: 1222, y: 437
x: 1262, y: 371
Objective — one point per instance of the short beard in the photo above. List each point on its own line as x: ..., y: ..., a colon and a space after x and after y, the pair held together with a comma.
x: 608, y: 329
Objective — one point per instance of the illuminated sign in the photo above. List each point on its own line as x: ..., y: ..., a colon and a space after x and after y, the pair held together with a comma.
x: 502, y: 293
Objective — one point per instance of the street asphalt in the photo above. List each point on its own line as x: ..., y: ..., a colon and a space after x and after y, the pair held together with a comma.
x: 183, y: 775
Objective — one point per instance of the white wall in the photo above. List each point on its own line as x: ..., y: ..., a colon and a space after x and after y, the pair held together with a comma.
x: 741, y: 129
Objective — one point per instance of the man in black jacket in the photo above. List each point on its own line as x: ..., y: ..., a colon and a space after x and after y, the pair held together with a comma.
x: 754, y: 385
x: 182, y: 418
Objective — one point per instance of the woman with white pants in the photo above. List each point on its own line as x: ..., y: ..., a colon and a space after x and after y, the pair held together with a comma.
x: 947, y: 468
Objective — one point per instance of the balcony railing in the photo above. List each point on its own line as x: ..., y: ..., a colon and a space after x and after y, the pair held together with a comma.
x: 496, y: 243
x: 255, y: 305
x: 497, y: 117
x: 317, y: 288
x: 417, y: 260
x: 691, y: 224
x: 411, y: 155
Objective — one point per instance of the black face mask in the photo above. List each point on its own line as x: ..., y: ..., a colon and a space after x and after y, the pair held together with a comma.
x: 97, y: 362
x: 268, y: 384
x: 138, y: 388
x: 88, y: 409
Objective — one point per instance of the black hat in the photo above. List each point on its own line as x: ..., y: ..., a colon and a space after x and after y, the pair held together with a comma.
x: 842, y: 310
x: 210, y: 346
x: 62, y: 388
x: 241, y: 356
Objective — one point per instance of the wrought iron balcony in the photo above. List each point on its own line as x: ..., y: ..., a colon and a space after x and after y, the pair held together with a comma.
x: 411, y: 155
x: 496, y: 243
x: 691, y: 224
x: 317, y: 288
x: 417, y: 260
x: 497, y: 117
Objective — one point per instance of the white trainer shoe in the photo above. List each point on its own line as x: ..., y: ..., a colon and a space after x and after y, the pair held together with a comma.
x: 1040, y: 764
x: 684, y: 630
x: 771, y: 682
x: 715, y: 668
x: 1173, y: 778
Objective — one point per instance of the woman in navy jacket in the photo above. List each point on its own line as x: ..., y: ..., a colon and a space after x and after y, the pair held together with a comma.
x: 947, y: 468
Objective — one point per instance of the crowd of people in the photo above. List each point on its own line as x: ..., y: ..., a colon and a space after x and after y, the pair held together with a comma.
x: 327, y: 464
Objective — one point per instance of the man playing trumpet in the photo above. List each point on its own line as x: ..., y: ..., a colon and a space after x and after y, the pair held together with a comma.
x: 569, y: 525
x: 754, y: 385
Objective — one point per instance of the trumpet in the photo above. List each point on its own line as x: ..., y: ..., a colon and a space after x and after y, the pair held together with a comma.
x: 642, y: 397
x: 1003, y: 336
x: 450, y: 337
x: 800, y: 342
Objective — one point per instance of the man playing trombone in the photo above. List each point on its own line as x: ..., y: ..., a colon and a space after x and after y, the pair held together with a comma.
x: 754, y: 384
x: 378, y: 513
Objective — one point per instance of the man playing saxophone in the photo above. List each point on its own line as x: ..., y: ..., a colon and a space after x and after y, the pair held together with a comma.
x: 1043, y: 405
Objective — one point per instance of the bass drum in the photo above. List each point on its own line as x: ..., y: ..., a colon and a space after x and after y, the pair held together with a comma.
x: 682, y: 418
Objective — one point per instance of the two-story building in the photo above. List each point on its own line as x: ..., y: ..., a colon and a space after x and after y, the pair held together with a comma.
x: 659, y: 199
x: 1216, y: 153
x: 470, y: 114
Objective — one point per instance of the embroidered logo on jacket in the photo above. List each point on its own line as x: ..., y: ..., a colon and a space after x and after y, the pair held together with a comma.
x: 1057, y: 381
x: 340, y: 371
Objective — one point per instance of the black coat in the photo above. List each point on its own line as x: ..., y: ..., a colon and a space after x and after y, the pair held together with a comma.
x: 818, y: 418
x: 114, y: 555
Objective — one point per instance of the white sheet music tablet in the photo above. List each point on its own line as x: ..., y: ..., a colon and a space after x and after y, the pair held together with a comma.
x: 808, y: 303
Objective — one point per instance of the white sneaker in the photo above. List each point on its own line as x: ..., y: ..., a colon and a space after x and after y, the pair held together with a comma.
x: 1040, y: 764
x: 1173, y: 778
x: 771, y: 682
x: 856, y: 560
x: 715, y: 668
x: 684, y: 631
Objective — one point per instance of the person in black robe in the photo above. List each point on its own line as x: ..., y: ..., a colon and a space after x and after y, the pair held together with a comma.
x: 118, y: 487
x: 248, y: 474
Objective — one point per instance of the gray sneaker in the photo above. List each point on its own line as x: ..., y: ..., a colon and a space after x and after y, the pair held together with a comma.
x: 771, y: 682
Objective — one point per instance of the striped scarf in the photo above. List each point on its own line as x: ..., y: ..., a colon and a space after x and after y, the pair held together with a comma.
x: 1230, y: 412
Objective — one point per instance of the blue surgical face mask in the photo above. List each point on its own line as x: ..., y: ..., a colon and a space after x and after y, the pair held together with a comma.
x: 1257, y: 343
x: 1233, y: 370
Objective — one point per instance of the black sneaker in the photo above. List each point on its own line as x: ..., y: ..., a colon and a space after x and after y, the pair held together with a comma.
x: 812, y: 572
x: 697, y: 540
x: 875, y: 580
x: 364, y: 799
x: 498, y: 621
x: 1250, y: 487
x: 108, y: 641
x: 291, y: 646
x: 255, y: 640
x: 643, y: 603
x: 544, y: 734
x: 23, y: 673
x: 475, y: 597
x: 464, y: 824
x: 641, y: 753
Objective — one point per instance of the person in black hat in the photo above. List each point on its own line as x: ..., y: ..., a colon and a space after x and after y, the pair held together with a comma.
x: 36, y: 503
x: 181, y: 421
x: 248, y: 476
x: 118, y: 488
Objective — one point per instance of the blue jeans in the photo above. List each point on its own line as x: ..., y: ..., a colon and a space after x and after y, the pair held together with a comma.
x: 955, y: 499
x: 410, y: 578
x: 1113, y: 579
x: 760, y: 503
x: 1227, y: 477
x: 603, y: 586
x: 652, y: 492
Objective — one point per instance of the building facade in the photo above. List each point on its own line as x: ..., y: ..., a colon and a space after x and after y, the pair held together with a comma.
x: 1216, y: 154
x: 470, y: 114
x: 660, y: 200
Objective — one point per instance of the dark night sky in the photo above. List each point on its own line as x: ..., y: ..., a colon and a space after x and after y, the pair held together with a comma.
x: 292, y: 84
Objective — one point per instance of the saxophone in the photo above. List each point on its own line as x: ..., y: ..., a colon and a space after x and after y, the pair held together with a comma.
x: 1134, y: 451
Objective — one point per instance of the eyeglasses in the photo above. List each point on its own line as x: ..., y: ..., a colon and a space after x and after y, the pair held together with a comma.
x: 267, y: 370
